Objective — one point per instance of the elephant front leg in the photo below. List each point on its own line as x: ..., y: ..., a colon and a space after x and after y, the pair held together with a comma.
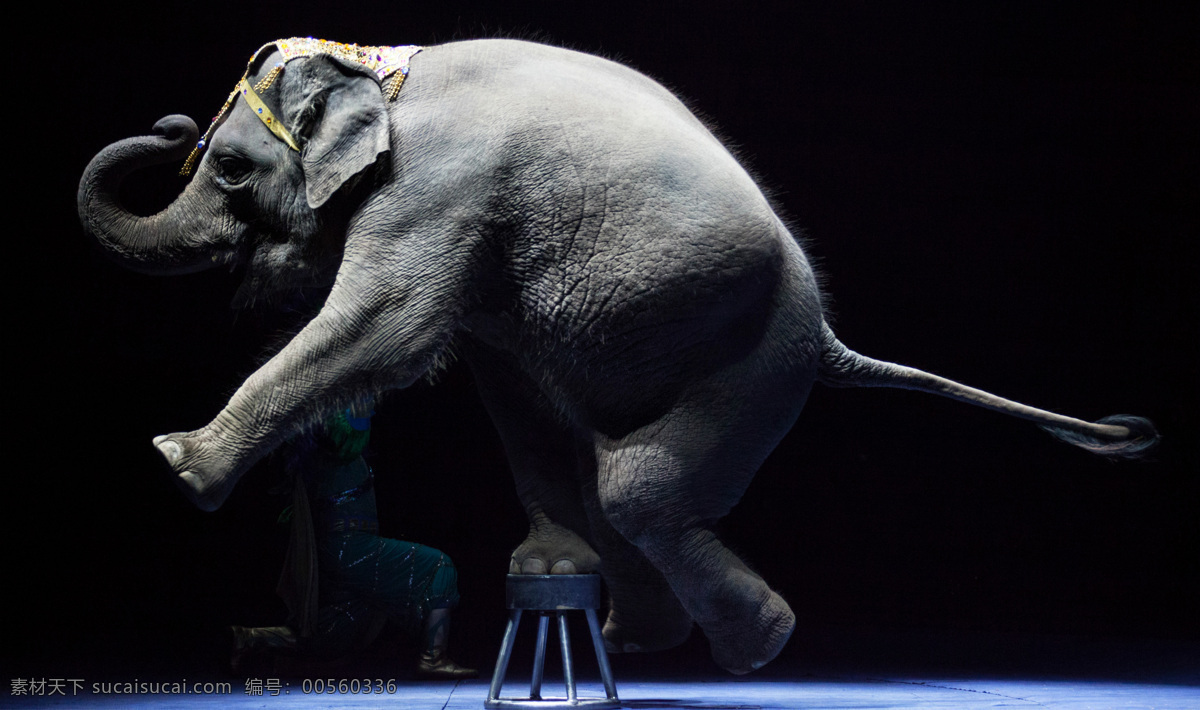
x: 375, y: 332
x: 548, y: 488
x: 542, y: 453
x: 206, y: 462
x: 551, y: 548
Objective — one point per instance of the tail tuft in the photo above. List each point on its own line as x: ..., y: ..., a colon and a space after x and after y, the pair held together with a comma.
x: 1130, y: 437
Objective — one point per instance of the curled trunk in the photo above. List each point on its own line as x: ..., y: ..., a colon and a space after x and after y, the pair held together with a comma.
x: 184, y: 237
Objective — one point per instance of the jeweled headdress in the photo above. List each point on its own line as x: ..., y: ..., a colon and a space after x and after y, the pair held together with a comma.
x: 389, y: 66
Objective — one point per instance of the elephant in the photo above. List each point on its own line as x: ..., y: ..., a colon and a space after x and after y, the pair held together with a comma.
x: 642, y: 327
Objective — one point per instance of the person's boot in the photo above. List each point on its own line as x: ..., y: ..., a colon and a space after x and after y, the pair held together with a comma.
x: 436, y: 665
x: 254, y: 641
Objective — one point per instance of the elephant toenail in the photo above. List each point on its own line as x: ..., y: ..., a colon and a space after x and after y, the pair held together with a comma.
x: 169, y: 449
x: 633, y: 648
x: 533, y: 566
x: 563, y: 567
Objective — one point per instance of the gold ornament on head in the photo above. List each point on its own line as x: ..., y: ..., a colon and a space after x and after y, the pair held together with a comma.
x: 255, y: 102
x: 381, y: 62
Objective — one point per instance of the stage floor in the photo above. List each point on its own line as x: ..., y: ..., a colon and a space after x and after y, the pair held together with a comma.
x: 822, y: 670
x: 810, y: 693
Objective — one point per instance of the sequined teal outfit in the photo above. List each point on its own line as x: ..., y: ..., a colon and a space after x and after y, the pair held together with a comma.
x: 363, y: 579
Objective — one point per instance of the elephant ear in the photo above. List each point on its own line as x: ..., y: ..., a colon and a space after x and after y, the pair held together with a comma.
x: 343, y: 122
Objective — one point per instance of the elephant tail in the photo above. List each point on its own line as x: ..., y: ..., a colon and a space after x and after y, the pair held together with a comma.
x: 1119, y: 436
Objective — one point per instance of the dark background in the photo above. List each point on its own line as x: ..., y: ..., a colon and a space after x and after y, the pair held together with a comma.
x: 1006, y: 195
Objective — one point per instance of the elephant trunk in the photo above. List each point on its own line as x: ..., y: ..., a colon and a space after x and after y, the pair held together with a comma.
x: 183, y: 238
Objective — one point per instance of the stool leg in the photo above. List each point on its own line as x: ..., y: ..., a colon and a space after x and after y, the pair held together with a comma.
x: 510, y: 637
x: 610, y: 687
x: 539, y: 658
x: 564, y: 640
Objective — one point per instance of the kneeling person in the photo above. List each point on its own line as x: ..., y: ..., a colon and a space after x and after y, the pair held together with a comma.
x: 342, y: 581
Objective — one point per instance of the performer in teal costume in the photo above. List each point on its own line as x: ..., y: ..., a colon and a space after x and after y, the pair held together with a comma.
x: 342, y: 581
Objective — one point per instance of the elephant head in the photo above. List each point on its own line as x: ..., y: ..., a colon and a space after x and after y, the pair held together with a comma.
x: 304, y: 126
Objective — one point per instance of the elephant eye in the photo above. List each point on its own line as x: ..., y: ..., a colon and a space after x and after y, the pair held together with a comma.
x: 234, y: 169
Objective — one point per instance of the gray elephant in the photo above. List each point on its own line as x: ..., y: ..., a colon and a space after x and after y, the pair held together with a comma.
x: 641, y: 325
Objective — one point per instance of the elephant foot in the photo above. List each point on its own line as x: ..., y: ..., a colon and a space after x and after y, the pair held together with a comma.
x: 755, y: 642
x: 553, y: 549
x: 655, y: 625
x: 206, y: 484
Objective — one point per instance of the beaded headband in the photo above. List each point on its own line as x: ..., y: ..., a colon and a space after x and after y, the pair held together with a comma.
x: 380, y: 62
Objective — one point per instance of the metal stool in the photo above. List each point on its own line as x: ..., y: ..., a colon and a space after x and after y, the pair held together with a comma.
x: 552, y: 594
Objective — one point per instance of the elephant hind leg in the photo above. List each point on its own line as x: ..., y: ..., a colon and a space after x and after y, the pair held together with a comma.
x: 747, y: 624
x: 663, y: 486
x: 644, y: 614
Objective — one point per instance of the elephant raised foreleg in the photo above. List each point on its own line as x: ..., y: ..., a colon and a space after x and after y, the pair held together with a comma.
x: 368, y: 336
